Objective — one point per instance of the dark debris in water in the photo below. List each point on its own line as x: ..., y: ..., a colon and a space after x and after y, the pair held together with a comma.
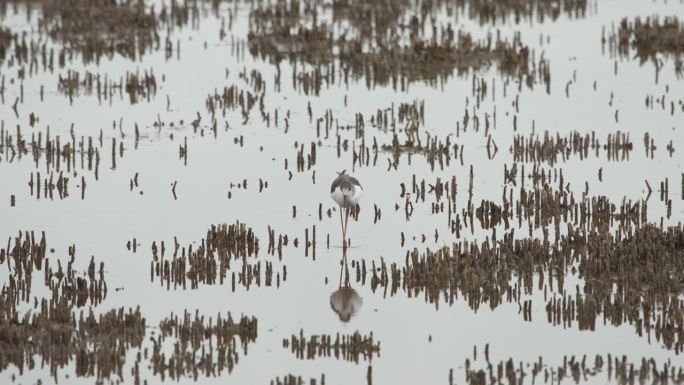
x: 278, y: 33
x: 353, y: 347
x: 632, y: 276
x: 201, y: 346
x: 226, y: 249
x: 613, y: 368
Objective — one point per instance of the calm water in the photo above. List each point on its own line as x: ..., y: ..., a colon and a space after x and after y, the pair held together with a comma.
x: 419, y: 342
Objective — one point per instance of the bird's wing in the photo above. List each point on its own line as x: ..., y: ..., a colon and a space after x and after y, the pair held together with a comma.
x: 354, y: 181
x: 335, y: 183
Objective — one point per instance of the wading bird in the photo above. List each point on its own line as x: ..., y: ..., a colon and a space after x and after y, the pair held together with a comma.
x: 346, y: 191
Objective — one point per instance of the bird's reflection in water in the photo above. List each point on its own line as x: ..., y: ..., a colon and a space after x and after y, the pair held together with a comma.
x: 345, y: 301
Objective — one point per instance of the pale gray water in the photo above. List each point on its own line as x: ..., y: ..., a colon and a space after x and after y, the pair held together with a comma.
x: 111, y: 215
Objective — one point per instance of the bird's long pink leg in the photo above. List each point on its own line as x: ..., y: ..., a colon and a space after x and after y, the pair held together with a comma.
x: 346, y: 222
x: 343, y: 229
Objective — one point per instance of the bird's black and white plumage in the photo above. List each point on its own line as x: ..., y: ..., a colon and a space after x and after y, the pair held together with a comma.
x: 346, y: 190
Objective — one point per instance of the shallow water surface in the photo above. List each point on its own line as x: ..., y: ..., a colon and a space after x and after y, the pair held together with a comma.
x: 165, y: 192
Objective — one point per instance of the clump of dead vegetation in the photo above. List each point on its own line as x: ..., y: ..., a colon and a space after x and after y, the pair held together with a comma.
x: 387, y: 43
x: 649, y: 39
